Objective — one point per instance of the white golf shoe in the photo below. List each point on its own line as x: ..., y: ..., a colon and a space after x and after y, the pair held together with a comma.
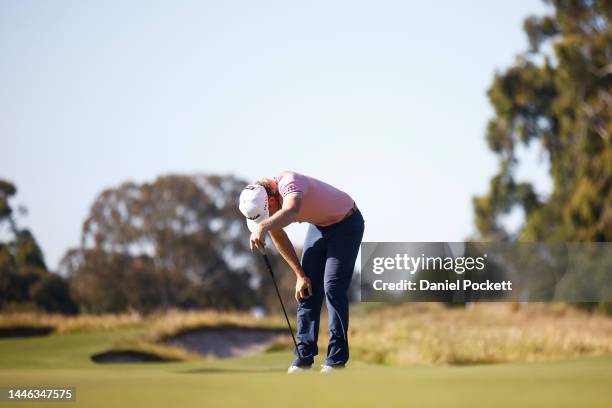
x: 297, y: 369
x: 328, y: 369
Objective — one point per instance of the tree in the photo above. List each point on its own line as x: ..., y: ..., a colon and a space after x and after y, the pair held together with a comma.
x: 52, y: 293
x: 179, y: 241
x: 563, y: 102
x: 24, y: 277
x: 7, y: 190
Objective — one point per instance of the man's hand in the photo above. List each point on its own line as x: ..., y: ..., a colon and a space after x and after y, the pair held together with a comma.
x: 303, y: 288
x: 258, y: 240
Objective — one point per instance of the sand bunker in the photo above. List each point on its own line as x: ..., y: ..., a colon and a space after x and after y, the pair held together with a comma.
x: 220, y: 342
x: 25, y: 331
x: 226, y: 342
x: 126, y: 356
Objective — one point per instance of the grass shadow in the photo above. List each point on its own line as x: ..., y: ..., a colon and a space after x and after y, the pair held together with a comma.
x: 217, y: 370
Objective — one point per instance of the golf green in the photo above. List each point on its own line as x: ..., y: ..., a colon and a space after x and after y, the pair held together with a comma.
x: 261, y: 380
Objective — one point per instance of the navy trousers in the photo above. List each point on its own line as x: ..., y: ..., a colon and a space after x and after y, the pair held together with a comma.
x: 328, y: 260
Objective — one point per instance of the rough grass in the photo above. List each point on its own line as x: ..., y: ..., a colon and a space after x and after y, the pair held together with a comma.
x: 62, y: 324
x: 418, y: 334
x: 432, y: 334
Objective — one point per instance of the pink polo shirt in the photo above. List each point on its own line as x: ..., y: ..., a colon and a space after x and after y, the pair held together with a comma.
x: 322, y: 204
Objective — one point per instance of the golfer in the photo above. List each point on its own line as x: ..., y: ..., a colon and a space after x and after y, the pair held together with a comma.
x: 328, y: 258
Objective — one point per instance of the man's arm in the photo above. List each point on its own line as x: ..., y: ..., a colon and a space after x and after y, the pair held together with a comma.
x: 285, y: 247
x: 286, y: 215
x: 279, y: 220
x: 303, y: 289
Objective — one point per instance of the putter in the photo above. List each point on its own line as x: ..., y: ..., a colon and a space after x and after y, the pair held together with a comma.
x: 297, y: 350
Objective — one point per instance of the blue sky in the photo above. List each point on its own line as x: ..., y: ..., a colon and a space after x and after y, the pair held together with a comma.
x: 384, y: 99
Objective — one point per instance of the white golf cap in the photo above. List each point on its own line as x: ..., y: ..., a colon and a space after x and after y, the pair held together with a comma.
x: 254, y: 205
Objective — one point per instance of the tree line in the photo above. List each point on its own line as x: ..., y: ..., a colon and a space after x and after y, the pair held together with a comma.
x: 178, y: 242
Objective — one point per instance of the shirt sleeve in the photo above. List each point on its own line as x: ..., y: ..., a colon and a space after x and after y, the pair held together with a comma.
x: 289, y: 183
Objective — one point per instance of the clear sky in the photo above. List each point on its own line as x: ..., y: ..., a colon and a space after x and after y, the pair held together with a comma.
x: 384, y: 99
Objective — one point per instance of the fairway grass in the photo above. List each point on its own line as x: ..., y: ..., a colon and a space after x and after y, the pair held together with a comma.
x: 261, y: 381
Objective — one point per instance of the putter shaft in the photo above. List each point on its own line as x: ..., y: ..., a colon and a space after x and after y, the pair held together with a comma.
x: 282, y: 304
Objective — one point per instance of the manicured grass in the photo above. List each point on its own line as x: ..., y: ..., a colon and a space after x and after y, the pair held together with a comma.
x: 260, y: 381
